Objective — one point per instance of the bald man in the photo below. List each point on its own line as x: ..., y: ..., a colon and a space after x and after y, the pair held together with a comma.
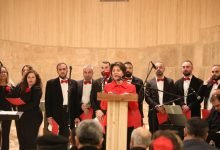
x: 140, y: 139
x: 155, y: 97
x: 210, y: 85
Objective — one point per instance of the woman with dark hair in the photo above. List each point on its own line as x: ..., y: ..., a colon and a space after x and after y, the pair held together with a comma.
x: 30, y: 91
x: 6, y: 106
x: 121, y: 86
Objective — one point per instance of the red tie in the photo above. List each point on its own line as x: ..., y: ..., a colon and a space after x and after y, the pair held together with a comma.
x: 186, y: 78
x: 87, y: 82
x: 64, y: 81
x: 160, y: 80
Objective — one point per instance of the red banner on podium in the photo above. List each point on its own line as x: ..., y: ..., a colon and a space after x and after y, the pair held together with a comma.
x: 15, y: 101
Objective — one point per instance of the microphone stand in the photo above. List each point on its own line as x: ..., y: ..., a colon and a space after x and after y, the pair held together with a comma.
x: 69, y: 93
x: 145, y: 85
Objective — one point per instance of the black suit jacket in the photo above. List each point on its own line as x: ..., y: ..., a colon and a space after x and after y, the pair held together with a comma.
x: 152, y: 97
x: 80, y: 92
x: 193, y: 101
x: 205, y: 92
x: 140, y: 91
x: 54, y: 100
x: 97, y: 87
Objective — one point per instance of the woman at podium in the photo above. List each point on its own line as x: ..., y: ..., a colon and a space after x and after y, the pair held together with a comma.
x: 29, y: 90
x: 6, y: 106
x: 121, y: 86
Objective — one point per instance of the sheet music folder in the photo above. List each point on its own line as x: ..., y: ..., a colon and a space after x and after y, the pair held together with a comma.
x: 175, y: 115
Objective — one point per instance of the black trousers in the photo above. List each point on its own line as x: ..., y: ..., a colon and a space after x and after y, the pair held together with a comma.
x: 64, y: 128
x: 6, y: 125
x: 152, y: 120
x: 27, y: 129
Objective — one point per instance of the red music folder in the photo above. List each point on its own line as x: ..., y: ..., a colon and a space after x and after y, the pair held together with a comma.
x: 205, y: 113
x: 15, y: 101
x: 85, y: 116
x: 54, y: 127
x: 162, y: 117
x: 187, y: 114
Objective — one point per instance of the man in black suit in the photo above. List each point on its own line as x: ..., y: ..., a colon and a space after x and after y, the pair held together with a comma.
x: 99, y: 87
x: 138, y: 84
x: 210, y: 85
x: 58, y: 92
x: 214, y: 120
x: 155, y: 97
x: 84, y: 92
x: 188, y: 86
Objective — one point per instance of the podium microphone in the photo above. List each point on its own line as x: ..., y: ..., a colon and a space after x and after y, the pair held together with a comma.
x: 196, y: 94
x: 153, y: 65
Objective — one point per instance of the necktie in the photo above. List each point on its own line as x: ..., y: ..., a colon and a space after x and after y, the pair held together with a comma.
x: 160, y: 80
x: 64, y: 81
x: 186, y: 78
x: 87, y: 82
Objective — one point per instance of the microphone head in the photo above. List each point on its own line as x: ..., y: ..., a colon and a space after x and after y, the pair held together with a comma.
x: 153, y: 65
x: 70, y: 67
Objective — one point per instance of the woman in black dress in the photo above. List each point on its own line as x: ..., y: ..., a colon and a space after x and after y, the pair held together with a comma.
x: 5, y: 88
x: 30, y: 91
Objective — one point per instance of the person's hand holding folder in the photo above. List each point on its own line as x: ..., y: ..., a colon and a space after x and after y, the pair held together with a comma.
x: 53, y: 126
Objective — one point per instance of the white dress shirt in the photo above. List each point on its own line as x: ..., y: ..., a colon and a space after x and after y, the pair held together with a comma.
x: 160, y: 86
x: 64, y: 87
x: 86, y: 92
x: 214, y: 87
x: 186, y: 84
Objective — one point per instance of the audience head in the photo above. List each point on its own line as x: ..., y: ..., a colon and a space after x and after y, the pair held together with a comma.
x: 25, y: 69
x: 129, y: 69
x: 52, y: 142
x: 118, y: 71
x: 160, y: 69
x: 4, y: 77
x: 215, y: 100
x: 62, y: 70
x: 89, y: 133
x: 140, y: 137
x: 187, y: 68
x: 105, y: 69
x: 216, y: 72
x: 167, y: 140
x: 196, y: 128
x: 87, y: 72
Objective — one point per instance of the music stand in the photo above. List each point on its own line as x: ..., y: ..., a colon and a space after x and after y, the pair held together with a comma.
x: 8, y: 115
x: 177, y: 119
x: 175, y: 115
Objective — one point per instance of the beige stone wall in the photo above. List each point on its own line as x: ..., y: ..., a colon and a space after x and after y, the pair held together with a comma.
x: 44, y: 58
x: 44, y: 32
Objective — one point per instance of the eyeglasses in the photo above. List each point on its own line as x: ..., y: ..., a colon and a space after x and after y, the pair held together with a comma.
x: 3, y: 72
